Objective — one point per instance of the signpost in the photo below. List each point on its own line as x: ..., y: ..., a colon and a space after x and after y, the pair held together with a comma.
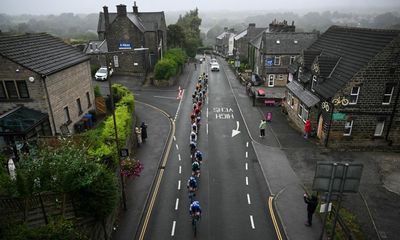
x: 337, y: 116
x: 336, y: 178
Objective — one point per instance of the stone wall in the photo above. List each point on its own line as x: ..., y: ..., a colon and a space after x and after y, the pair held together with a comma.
x: 64, y: 88
x: 36, y: 101
x: 123, y: 30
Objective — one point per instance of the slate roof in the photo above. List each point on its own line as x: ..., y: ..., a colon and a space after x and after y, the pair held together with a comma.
x: 326, y: 64
x: 355, y: 46
x: 40, y: 52
x: 288, y: 42
x: 240, y: 35
x: 222, y: 35
x: 309, y: 56
x: 307, y: 97
x: 153, y: 21
x: 112, y: 16
x: 256, y: 41
x: 97, y: 47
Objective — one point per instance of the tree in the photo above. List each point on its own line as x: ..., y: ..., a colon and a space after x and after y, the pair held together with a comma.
x: 190, y: 24
x: 175, y: 36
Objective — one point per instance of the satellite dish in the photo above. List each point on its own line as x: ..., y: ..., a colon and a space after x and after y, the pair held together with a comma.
x: 31, y: 79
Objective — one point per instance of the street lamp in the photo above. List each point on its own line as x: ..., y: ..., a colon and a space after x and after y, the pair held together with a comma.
x: 109, y: 65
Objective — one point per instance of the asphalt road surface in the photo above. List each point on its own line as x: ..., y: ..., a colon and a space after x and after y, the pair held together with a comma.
x: 232, y: 190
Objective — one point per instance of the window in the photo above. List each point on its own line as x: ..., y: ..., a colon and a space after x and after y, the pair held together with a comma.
x: 303, y: 112
x: 354, y: 95
x: 11, y: 89
x: 387, y: 96
x: 313, y: 83
x: 299, y: 74
x: 89, y: 103
x: 78, y: 104
x: 280, y: 77
x: 292, y: 58
x: 22, y: 89
x: 290, y: 100
x: 379, y: 128
x: 271, y: 80
x: 290, y: 77
x: 67, y: 119
x: 277, y: 60
x: 347, y: 128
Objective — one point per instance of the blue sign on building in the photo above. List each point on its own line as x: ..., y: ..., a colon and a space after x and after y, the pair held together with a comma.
x: 125, y: 45
x: 269, y: 61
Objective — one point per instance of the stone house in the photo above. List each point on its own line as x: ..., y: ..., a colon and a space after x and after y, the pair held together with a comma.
x: 347, y: 84
x: 242, y: 39
x: 45, y: 86
x: 271, y: 53
x: 224, y: 43
x: 137, y: 38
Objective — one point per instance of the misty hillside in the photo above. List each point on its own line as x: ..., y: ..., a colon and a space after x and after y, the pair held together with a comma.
x: 84, y: 26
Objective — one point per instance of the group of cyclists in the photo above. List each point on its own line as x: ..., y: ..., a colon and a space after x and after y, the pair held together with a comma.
x: 198, y: 98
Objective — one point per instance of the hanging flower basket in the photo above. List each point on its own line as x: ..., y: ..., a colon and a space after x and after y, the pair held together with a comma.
x: 131, y: 168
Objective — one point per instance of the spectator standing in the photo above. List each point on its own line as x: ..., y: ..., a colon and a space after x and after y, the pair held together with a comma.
x: 307, y: 128
x: 312, y: 203
x: 143, y: 128
x: 138, y: 135
x: 263, y: 126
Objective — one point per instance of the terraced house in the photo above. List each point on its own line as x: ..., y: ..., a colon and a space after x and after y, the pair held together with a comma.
x: 45, y: 87
x: 347, y: 84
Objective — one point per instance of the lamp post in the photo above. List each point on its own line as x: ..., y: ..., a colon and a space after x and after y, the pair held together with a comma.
x: 109, y: 65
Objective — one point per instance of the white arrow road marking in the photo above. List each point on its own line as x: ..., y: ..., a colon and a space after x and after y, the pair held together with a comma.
x: 236, y: 131
x: 173, y: 228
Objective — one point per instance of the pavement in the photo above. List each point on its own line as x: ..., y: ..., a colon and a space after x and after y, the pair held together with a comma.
x: 279, y: 166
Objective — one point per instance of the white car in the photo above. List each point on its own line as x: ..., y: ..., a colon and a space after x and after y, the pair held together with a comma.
x: 215, y: 67
x: 213, y: 60
x: 101, y: 74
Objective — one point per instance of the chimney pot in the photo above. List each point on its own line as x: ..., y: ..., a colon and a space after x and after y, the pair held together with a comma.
x: 135, y: 8
x: 121, y: 10
x: 106, y: 19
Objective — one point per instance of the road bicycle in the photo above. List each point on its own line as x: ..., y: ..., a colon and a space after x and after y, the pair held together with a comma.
x: 192, y: 194
x: 195, y: 219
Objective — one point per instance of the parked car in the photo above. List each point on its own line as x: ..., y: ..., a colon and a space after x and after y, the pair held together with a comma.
x: 215, y: 67
x: 101, y: 74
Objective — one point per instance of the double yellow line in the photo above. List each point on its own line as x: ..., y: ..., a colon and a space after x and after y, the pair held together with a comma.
x: 160, y: 175
x: 272, y: 214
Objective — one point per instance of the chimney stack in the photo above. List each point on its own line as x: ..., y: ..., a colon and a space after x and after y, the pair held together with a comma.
x: 121, y: 10
x: 135, y: 8
x: 251, y: 30
x: 106, y: 20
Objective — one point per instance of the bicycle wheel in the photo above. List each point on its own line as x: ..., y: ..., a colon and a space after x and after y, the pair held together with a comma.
x: 194, y: 223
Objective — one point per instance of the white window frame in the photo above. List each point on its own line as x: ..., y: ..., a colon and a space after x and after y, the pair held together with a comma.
x: 280, y: 77
x: 302, y: 112
x: 292, y: 58
x: 313, y: 82
x: 271, y: 80
x: 387, y: 95
x: 277, y: 60
x: 299, y: 74
x: 381, y: 125
x: 348, y: 125
x: 354, y: 94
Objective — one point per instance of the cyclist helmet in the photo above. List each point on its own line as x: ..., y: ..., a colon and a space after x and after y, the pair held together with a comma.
x: 192, y: 182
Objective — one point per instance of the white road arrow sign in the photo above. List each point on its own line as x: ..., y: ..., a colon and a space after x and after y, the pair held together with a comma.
x: 236, y: 131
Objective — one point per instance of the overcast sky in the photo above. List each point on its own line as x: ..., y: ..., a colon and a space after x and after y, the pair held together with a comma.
x: 13, y: 7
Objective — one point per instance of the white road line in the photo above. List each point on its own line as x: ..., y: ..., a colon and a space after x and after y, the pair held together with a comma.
x: 207, y: 128
x: 179, y: 184
x: 252, y: 222
x: 247, y: 154
x: 207, y: 113
x: 247, y: 144
x: 248, y: 199
x: 177, y: 148
x: 179, y: 106
x: 247, y: 181
x: 176, y: 204
x: 180, y: 169
x: 165, y: 97
x: 173, y: 228
x: 174, y: 138
x: 179, y: 157
x: 247, y: 167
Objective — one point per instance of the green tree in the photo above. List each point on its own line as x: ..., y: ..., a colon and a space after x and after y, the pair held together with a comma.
x: 190, y: 23
x: 175, y: 36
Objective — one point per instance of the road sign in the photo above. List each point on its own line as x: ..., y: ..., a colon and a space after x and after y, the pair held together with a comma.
x: 116, y: 63
x: 337, y: 116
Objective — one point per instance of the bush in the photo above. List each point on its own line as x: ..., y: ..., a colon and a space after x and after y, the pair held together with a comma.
x: 165, y: 68
x: 176, y: 54
x: 59, y: 229
x: 97, y: 92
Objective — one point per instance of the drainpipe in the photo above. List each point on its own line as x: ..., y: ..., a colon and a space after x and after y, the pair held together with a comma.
x: 392, y: 115
x: 48, y: 102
